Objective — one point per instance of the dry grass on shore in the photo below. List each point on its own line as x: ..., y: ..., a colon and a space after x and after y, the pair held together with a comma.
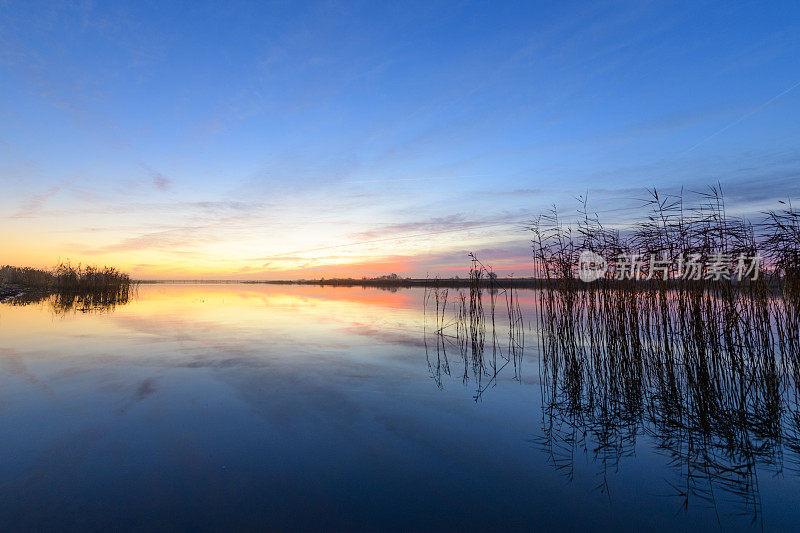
x: 66, y: 278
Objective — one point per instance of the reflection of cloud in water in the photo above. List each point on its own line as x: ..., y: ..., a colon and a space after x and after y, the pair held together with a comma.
x: 145, y: 389
x: 388, y: 335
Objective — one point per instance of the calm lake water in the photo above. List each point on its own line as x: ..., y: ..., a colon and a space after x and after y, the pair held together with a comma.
x: 299, y: 407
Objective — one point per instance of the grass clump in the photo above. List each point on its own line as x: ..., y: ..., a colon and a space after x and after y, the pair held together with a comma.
x: 66, y: 286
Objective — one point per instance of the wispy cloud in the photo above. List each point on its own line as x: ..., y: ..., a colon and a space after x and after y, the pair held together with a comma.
x: 33, y: 205
x: 160, y: 181
x: 439, y: 225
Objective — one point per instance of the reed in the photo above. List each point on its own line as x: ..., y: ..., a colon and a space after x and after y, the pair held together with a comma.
x: 466, y: 326
x: 706, y: 369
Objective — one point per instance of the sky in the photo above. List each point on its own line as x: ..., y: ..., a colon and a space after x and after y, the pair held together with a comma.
x: 283, y: 140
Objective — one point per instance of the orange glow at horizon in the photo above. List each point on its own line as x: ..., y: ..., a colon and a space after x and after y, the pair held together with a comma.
x: 245, y: 257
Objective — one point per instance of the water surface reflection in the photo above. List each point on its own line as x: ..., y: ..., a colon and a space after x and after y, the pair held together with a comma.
x: 306, y: 407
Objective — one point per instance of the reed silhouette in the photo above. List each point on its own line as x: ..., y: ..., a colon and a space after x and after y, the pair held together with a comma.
x: 462, y: 324
x: 705, y: 370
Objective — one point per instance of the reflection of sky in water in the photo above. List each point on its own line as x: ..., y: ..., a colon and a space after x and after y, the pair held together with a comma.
x: 294, y: 407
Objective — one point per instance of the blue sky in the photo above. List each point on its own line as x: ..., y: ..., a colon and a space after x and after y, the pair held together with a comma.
x: 264, y: 139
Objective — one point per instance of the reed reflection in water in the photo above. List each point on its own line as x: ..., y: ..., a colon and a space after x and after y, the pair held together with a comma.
x: 707, y: 373
x: 465, y: 332
x: 62, y: 302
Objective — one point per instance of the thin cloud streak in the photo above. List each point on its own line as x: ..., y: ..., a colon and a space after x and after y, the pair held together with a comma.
x: 442, y: 178
x: 743, y: 117
x: 390, y: 239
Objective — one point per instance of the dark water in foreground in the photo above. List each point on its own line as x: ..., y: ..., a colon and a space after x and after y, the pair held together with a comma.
x: 265, y: 407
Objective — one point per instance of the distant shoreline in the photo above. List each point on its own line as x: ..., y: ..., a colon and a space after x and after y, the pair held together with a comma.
x: 372, y: 282
x: 450, y: 283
